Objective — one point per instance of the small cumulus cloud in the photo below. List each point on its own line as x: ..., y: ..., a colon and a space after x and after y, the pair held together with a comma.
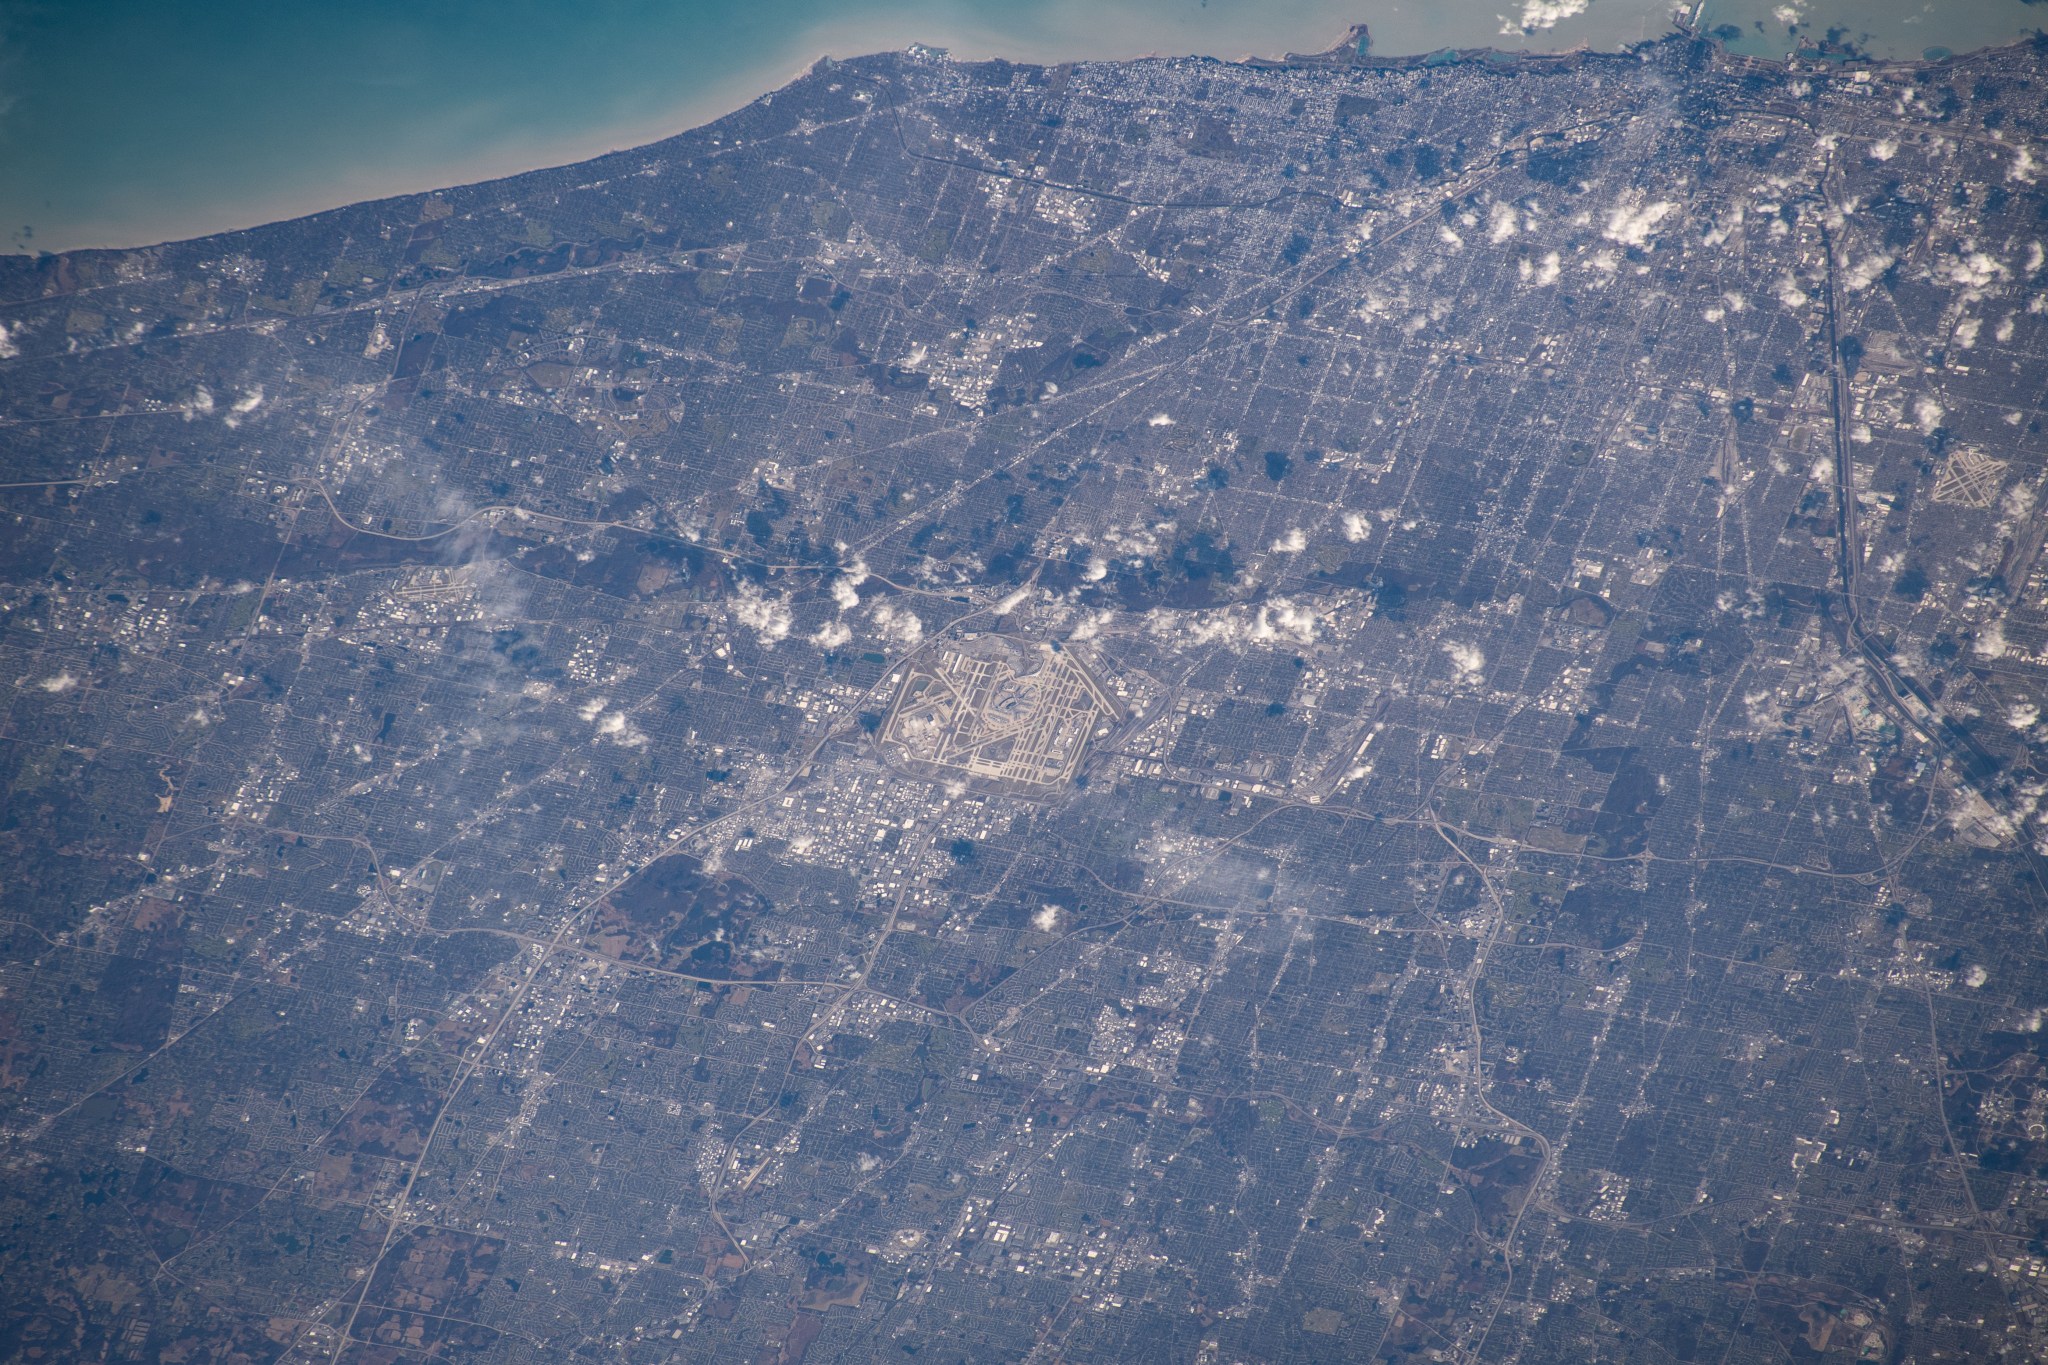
x: 63, y: 682
x: 243, y: 406
x: 767, y: 617
x: 1725, y: 228
x: 1092, y: 625
x: 1468, y: 659
x: 1865, y: 272
x: 1730, y: 302
x: 1635, y: 224
x: 1975, y: 269
x: 1542, y: 14
x: 613, y: 725
x: 846, y: 587
x: 1281, y: 621
x: 899, y: 624
x: 620, y: 730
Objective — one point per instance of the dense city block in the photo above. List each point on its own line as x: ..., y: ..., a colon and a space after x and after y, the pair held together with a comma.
x: 1330, y: 710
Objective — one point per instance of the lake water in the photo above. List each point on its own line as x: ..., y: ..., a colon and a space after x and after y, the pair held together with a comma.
x: 124, y: 122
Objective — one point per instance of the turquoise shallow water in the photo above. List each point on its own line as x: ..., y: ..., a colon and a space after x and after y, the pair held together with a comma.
x: 124, y: 122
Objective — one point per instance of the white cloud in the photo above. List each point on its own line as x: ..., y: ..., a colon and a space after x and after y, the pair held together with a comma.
x: 1092, y: 626
x: 1356, y: 527
x: 1467, y: 659
x: 1158, y: 419
x: 1500, y: 223
x: 1540, y: 273
x: 2022, y: 715
x: 9, y: 348
x: 1975, y: 270
x: 1293, y: 543
x: 767, y: 617
x: 831, y: 635
x: 1047, y: 919
x: 1991, y: 644
x: 1884, y: 149
x: 1284, y: 621
x: 846, y: 587
x: 1864, y: 274
x: 1542, y: 14
x: 244, y: 405
x: 63, y: 682
x: 1927, y: 415
x: 1724, y: 229
x: 1634, y: 225
x: 619, y: 730
x: 2023, y: 167
x: 898, y: 623
x: 198, y: 405
x: 1278, y: 622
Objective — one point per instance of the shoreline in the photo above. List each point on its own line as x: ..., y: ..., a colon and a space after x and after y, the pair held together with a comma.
x: 708, y: 107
